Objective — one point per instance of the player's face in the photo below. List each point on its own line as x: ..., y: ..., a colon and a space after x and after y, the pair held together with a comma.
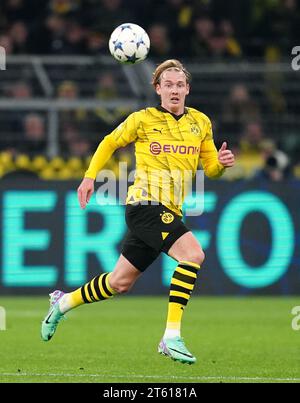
x: 173, y: 89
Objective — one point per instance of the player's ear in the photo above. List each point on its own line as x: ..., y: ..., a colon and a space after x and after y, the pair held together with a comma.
x: 157, y: 89
x: 187, y: 89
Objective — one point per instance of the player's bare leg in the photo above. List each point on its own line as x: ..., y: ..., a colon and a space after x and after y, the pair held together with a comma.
x: 124, y: 275
x: 99, y: 288
x: 189, y: 255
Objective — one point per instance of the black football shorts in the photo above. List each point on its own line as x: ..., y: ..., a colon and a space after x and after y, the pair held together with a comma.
x: 152, y: 229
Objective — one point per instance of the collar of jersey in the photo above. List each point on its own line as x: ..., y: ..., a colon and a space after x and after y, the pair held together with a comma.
x: 177, y: 117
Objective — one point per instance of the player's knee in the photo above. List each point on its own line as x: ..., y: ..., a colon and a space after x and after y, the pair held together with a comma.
x: 120, y: 286
x: 122, y: 289
x: 196, y: 256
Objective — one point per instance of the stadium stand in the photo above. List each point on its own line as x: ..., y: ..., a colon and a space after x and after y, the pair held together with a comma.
x: 61, y: 92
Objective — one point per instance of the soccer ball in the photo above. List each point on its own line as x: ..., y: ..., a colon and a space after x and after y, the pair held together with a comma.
x: 129, y: 43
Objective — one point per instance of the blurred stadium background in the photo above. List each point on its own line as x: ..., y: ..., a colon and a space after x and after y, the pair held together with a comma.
x: 61, y: 93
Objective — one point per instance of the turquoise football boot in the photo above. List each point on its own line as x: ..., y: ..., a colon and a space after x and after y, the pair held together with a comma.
x: 175, y: 349
x: 53, y: 316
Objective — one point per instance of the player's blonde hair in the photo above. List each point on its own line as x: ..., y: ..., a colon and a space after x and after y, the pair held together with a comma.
x: 171, y: 64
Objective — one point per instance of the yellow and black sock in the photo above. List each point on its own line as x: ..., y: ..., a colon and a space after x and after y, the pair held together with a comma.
x: 98, y: 289
x: 182, y: 285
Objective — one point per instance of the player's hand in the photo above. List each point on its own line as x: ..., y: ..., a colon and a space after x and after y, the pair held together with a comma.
x: 226, y: 157
x: 85, y: 191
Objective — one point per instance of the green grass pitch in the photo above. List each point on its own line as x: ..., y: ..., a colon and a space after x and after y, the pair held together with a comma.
x: 234, y: 339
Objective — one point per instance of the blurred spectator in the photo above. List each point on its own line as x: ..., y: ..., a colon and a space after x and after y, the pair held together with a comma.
x: 211, y: 40
x: 12, y: 120
x: 177, y: 16
x: 54, y: 34
x: 252, y: 138
x: 72, y: 122
x: 65, y: 37
x: 203, y: 31
x: 104, y: 16
x: 16, y: 10
x: 67, y: 90
x: 79, y: 147
x: 250, y: 156
x: 75, y: 142
x: 74, y: 42
x: 218, y: 49
x: 274, y: 88
x: 35, y: 139
x: 19, y: 36
x: 239, y: 13
x: 279, y: 26
x: 232, y: 48
x: 20, y: 90
x: 276, y: 163
x: 64, y: 7
x: 96, y: 43
x: 103, y: 120
x: 160, y: 41
x: 238, y: 109
x: 106, y: 87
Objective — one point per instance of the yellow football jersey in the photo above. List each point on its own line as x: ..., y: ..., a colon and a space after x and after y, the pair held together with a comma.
x: 167, y: 150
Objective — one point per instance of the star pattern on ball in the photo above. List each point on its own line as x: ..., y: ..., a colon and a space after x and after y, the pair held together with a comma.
x: 140, y: 42
x: 125, y: 26
x: 132, y: 59
x: 118, y: 45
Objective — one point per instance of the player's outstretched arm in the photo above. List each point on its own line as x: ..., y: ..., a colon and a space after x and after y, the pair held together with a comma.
x: 85, y: 191
x: 103, y: 153
x: 124, y: 134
